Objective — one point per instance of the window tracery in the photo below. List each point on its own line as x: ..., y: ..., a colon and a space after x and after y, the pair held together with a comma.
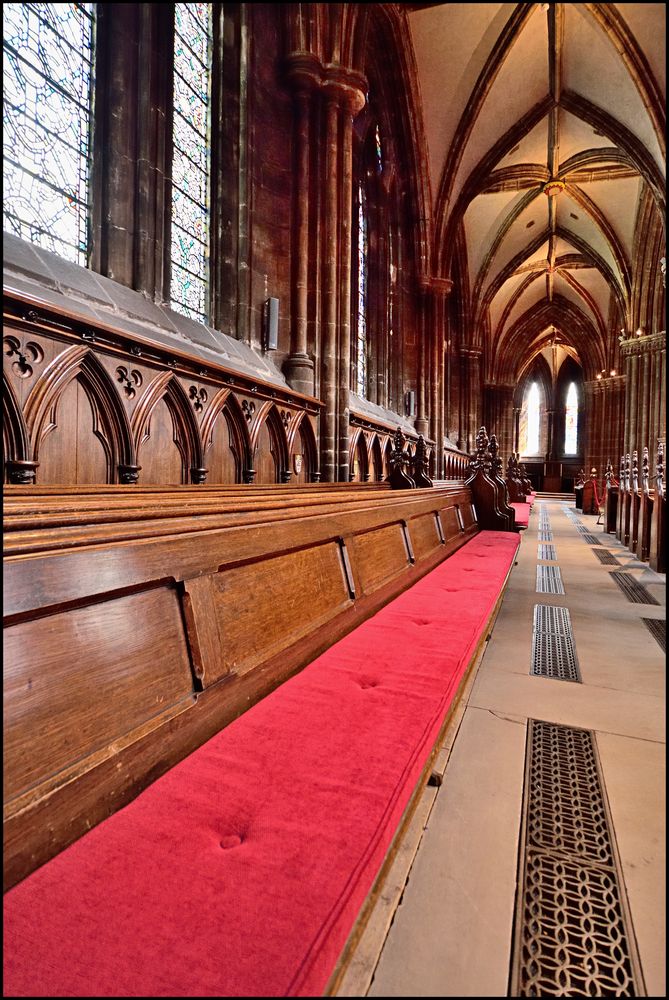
x: 48, y: 81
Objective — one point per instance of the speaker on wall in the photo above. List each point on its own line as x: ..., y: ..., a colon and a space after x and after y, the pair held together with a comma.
x: 271, y: 324
x: 410, y: 402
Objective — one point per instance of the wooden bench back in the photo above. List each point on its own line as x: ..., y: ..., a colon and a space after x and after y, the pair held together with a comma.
x: 134, y: 633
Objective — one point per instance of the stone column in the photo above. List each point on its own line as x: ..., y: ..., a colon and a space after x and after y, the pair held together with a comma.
x: 303, y: 71
x: 330, y: 292
x: 421, y: 423
x: 351, y: 101
x: 470, y: 359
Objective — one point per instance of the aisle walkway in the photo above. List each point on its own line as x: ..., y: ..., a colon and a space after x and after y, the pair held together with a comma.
x: 598, y: 891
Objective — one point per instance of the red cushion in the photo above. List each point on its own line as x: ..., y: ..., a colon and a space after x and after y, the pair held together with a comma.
x: 242, y: 870
x: 522, y: 514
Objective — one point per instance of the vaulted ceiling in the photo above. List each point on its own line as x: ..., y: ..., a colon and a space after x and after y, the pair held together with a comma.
x: 545, y: 132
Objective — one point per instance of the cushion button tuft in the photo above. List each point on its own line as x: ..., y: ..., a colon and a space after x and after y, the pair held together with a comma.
x: 232, y: 840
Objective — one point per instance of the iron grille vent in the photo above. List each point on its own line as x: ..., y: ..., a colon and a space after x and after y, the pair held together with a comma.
x: 633, y: 591
x: 590, y: 539
x: 553, y: 650
x: 549, y: 580
x: 545, y: 535
x: 658, y: 630
x: 547, y: 552
x: 606, y: 558
x: 571, y: 930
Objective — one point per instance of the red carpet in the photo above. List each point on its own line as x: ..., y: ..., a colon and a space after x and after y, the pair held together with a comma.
x: 242, y: 870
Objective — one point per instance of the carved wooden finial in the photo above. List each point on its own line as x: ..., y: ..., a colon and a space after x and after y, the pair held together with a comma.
x: 397, y: 459
x: 495, y: 460
x: 659, y: 468
x: 420, y: 472
x: 645, y: 470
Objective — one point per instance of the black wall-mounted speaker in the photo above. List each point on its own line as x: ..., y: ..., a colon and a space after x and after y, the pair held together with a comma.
x: 271, y: 324
x: 410, y: 403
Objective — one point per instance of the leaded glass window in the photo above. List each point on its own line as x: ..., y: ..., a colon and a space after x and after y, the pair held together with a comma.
x: 530, y: 421
x: 361, y: 341
x: 48, y: 81
x: 378, y: 150
x: 189, y: 284
x: 571, y: 422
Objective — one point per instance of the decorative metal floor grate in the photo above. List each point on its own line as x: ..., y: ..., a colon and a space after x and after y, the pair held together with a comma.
x: 546, y: 552
x: 658, y: 630
x: 606, y: 558
x: 545, y: 535
x: 572, y: 928
x: 633, y: 591
x: 553, y: 650
x: 549, y: 580
x: 590, y: 539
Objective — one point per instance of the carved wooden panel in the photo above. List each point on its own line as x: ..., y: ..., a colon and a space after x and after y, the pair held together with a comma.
x: 378, y: 556
x: 223, y: 463
x: 159, y: 454
x: 467, y: 512
x: 265, y: 462
x: 262, y: 608
x: 75, y: 446
x: 424, y: 535
x: 102, y: 671
x: 449, y: 522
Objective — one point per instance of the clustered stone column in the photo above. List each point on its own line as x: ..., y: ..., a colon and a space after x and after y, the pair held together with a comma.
x: 604, y: 405
x: 470, y: 374
x: 332, y: 96
x: 645, y: 360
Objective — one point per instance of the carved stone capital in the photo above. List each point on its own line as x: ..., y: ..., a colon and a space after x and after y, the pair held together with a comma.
x: 303, y: 71
x: 434, y: 285
x: 346, y: 87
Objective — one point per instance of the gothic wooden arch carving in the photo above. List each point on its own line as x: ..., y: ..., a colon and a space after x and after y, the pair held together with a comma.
x: 268, y: 416
x: 358, y: 447
x: 14, y: 430
x: 302, y: 427
x: 110, y: 420
x: 187, y: 437
x: 377, y: 458
x: 226, y: 406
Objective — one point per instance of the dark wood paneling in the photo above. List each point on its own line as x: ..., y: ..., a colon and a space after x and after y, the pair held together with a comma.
x: 159, y: 454
x: 77, y: 680
x: 424, y: 536
x: 379, y: 555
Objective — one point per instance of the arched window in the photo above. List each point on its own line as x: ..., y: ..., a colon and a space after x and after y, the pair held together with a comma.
x: 48, y: 81
x: 571, y: 422
x: 530, y: 421
x: 191, y: 138
x: 361, y: 328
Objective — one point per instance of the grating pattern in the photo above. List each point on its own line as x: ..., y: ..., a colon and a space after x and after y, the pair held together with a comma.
x: 658, y: 630
x: 606, y: 558
x: 546, y: 552
x: 553, y: 650
x: 545, y: 535
x: 549, y: 580
x: 590, y: 539
x: 571, y: 934
x: 633, y: 591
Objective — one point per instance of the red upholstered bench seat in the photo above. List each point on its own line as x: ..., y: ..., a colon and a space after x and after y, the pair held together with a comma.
x: 241, y: 871
x: 522, y: 514
x: 530, y: 498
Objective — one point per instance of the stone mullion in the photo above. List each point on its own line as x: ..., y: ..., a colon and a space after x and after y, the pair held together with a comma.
x: 421, y: 421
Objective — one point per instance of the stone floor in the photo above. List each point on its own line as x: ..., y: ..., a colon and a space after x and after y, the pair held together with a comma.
x: 444, y: 925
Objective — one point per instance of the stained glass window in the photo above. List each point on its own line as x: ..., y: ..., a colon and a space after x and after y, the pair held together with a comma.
x: 378, y: 150
x: 189, y: 285
x: 530, y: 417
x: 571, y: 422
x: 361, y: 342
x: 48, y: 80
